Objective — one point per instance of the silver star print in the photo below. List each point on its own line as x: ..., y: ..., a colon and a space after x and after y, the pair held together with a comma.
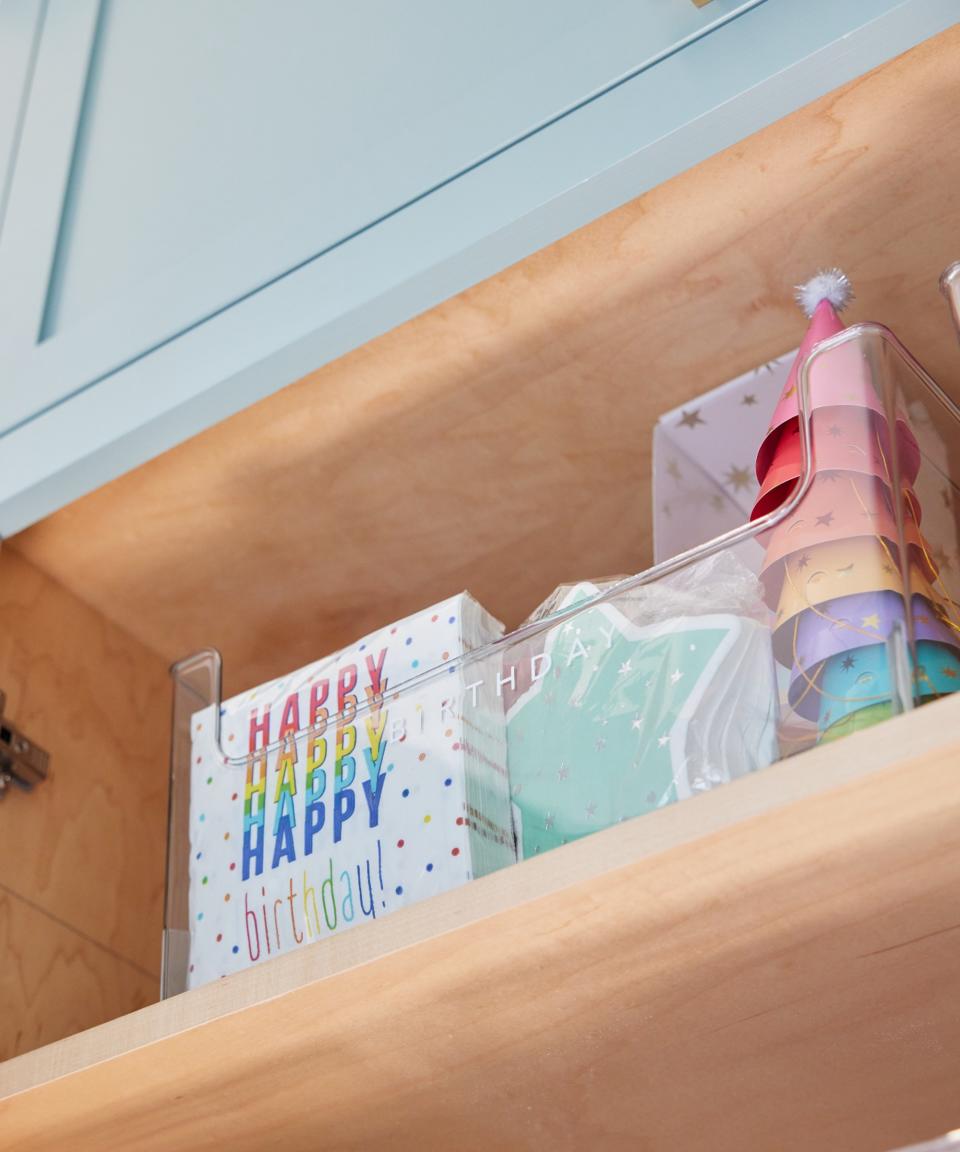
x: 663, y: 741
x: 691, y: 419
x: 600, y: 744
x: 548, y: 822
x: 637, y: 722
x: 625, y: 667
x: 562, y: 772
x: 590, y: 810
x: 676, y: 677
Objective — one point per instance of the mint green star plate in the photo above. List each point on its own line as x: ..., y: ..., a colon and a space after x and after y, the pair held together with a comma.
x: 626, y: 719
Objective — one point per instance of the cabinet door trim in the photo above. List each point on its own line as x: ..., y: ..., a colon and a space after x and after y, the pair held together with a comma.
x: 38, y: 185
x: 20, y: 25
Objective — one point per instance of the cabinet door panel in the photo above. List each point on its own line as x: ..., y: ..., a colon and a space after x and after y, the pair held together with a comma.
x: 221, y: 144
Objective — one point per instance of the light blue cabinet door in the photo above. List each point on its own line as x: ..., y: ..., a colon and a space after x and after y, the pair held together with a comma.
x: 19, y: 31
x: 205, y: 199
x: 220, y: 143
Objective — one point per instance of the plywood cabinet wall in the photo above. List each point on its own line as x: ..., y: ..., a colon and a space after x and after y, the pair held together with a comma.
x: 82, y: 856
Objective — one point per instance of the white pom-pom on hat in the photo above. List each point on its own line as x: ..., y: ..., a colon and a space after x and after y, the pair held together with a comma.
x: 828, y: 284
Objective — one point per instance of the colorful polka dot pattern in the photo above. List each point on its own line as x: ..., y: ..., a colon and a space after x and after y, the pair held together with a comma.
x: 422, y: 843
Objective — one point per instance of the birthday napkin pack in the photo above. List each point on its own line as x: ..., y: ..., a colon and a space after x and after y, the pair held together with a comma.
x: 639, y: 701
x: 351, y: 799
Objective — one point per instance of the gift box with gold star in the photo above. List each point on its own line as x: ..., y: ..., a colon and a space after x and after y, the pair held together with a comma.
x: 703, y: 477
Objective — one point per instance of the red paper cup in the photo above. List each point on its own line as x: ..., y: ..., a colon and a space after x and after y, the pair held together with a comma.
x: 841, y: 440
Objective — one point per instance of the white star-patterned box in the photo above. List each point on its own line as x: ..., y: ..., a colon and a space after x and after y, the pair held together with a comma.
x: 704, y: 483
x: 355, y: 799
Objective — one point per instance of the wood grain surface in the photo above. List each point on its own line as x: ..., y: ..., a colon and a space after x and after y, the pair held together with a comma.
x: 501, y: 442
x: 768, y: 966
x: 55, y: 981
x: 87, y: 846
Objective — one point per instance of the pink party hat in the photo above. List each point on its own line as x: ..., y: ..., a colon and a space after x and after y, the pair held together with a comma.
x: 821, y: 298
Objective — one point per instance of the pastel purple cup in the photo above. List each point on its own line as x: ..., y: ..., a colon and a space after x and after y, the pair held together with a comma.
x: 849, y: 623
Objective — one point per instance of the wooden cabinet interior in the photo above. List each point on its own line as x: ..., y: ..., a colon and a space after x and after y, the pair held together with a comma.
x: 82, y: 856
x: 500, y: 442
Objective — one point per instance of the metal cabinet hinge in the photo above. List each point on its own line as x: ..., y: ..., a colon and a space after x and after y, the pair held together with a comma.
x: 22, y: 763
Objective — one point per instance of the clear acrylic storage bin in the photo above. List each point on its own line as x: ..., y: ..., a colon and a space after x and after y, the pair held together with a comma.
x: 950, y: 287
x: 432, y: 753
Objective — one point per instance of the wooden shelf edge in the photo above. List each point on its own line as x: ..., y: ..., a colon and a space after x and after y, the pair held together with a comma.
x: 849, y: 762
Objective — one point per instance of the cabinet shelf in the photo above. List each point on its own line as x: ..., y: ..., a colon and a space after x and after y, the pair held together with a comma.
x: 780, y: 953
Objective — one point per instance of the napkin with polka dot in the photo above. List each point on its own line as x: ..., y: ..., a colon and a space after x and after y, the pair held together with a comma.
x: 355, y: 786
